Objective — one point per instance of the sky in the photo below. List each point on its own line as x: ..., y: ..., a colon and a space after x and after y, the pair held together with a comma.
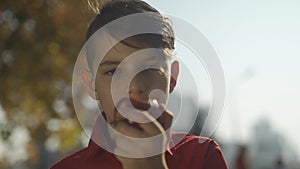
x: 258, y: 44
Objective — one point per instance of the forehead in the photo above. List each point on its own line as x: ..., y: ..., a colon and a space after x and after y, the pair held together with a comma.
x: 105, y: 47
x: 140, y: 51
x: 119, y: 52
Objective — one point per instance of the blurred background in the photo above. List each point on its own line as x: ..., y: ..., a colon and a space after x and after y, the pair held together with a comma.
x: 258, y: 44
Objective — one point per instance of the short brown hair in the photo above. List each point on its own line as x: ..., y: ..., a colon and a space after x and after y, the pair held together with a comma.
x: 119, y: 8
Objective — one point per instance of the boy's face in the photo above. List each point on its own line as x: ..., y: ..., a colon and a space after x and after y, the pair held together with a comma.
x: 143, y: 73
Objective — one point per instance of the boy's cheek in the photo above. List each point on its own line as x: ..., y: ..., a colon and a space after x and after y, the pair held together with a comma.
x: 107, y: 109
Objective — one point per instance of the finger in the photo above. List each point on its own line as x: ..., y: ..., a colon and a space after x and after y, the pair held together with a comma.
x: 164, y: 121
x: 123, y: 128
x: 142, y: 120
x: 153, y: 127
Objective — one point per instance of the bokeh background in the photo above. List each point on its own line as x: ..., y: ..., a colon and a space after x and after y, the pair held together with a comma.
x: 258, y: 44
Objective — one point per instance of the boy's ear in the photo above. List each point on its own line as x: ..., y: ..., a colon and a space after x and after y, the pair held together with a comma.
x: 89, y: 83
x: 174, y: 75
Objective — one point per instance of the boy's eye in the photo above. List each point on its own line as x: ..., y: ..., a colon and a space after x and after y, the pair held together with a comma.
x: 110, y: 72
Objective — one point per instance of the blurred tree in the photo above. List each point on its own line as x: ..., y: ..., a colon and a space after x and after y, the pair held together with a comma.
x: 40, y: 41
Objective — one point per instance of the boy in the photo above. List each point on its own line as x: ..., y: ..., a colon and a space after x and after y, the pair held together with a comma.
x: 132, y: 84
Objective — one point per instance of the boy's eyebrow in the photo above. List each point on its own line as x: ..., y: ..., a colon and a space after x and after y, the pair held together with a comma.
x: 109, y: 62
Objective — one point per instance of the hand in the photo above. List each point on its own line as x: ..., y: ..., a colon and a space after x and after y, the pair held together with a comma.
x: 135, y: 142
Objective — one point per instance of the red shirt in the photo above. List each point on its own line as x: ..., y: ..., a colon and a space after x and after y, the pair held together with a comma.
x: 188, y: 153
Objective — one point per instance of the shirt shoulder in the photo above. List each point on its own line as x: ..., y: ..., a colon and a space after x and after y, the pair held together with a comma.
x: 198, y: 152
x: 184, y: 140
x: 71, y: 161
x: 214, y: 157
x: 91, y: 157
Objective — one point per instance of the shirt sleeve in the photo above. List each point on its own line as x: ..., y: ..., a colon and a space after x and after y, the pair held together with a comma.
x: 214, y: 158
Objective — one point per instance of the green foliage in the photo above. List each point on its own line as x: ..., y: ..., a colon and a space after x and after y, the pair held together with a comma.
x: 40, y: 41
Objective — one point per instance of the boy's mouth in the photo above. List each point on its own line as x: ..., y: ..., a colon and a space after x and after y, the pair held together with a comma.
x: 136, y: 103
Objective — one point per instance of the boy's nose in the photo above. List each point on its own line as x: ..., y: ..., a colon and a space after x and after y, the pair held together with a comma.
x: 139, y: 87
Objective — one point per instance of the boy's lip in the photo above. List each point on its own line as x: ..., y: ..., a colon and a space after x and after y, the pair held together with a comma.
x: 136, y: 103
